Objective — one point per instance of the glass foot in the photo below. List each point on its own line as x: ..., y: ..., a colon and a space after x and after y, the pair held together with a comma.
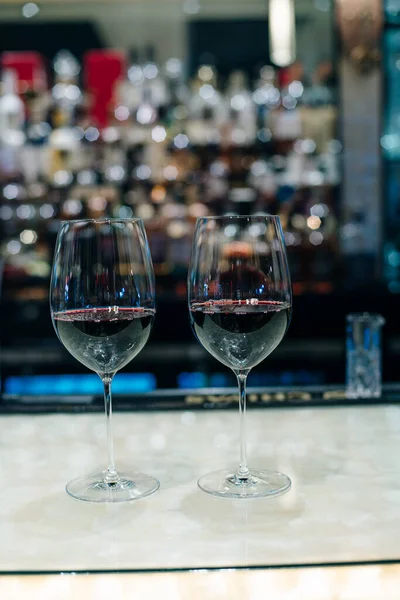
x: 129, y: 486
x: 259, y: 484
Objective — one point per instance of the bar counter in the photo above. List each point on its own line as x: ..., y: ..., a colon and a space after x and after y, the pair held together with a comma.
x: 343, y: 506
x: 342, y: 509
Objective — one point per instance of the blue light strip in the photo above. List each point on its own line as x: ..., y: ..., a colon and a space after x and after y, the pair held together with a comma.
x: 196, y: 379
x: 60, y: 385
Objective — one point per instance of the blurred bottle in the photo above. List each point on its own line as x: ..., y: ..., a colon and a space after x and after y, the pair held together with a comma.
x: 206, y: 108
x: 12, y: 117
x: 241, y: 110
x: 129, y: 91
x: 64, y: 143
x: 154, y: 81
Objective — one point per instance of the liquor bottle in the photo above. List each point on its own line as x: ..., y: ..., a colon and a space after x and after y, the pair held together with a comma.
x: 129, y: 91
x: 155, y: 82
x: 206, y: 108
x: 38, y: 102
x: 145, y: 118
x: 12, y: 116
x: 12, y: 112
x: 240, y: 109
x: 64, y: 150
x: 266, y: 96
x: 318, y: 113
x: 66, y: 92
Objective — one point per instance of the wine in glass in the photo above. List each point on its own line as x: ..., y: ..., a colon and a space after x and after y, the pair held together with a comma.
x: 102, y: 300
x: 240, y: 304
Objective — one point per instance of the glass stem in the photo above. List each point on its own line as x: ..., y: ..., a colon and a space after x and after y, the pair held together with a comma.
x: 111, y: 475
x: 243, y: 471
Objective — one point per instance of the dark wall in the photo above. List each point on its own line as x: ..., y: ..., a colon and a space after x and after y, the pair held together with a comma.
x: 49, y: 37
x: 229, y: 44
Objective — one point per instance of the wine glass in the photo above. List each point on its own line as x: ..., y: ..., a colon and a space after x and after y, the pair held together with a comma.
x: 102, y: 302
x: 240, y: 304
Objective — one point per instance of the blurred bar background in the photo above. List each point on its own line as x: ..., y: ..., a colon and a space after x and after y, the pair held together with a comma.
x: 172, y: 110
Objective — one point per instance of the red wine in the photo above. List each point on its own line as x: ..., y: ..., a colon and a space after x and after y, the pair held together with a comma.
x: 240, y: 333
x: 104, y: 339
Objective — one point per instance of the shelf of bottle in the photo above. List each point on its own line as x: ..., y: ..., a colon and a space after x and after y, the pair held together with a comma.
x: 26, y: 288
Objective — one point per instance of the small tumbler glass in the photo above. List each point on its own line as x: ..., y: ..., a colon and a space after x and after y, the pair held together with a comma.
x: 364, y: 355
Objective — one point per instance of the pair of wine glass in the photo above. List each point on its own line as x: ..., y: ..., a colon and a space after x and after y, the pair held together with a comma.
x: 102, y: 301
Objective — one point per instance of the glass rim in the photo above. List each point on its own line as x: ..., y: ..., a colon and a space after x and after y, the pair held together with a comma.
x: 103, y: 220
x: 222, y: 217
x: 365, y: 317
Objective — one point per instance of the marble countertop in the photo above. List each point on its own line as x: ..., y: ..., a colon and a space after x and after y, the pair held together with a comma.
x: 344, y: 504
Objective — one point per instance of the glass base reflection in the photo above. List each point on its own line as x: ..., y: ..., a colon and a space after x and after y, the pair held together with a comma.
x: 129, y: 486
x: 259, y: 484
